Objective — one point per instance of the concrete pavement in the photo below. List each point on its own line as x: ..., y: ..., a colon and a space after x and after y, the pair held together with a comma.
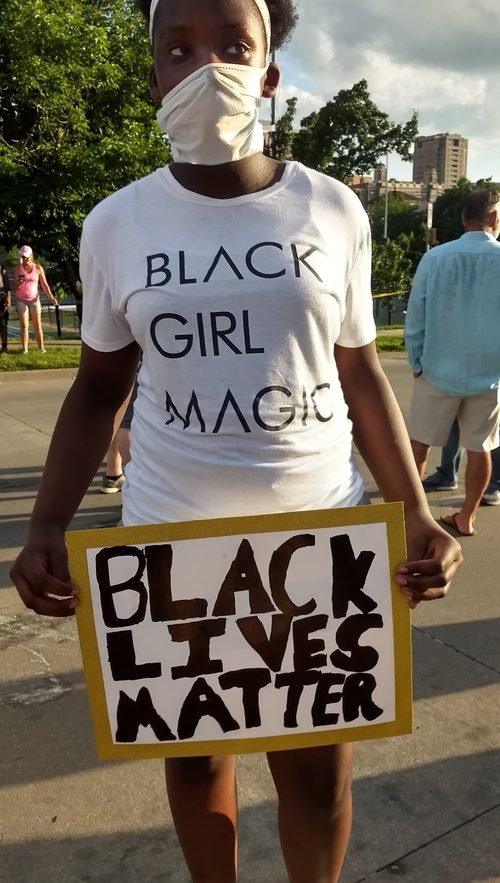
x: 427, y: 806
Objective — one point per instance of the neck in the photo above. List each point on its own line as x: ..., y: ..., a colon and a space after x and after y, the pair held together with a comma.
x: 476, y: 227
x: 230, y: 180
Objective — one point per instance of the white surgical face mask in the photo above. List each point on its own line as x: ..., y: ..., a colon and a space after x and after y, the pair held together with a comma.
x: 212, y: 117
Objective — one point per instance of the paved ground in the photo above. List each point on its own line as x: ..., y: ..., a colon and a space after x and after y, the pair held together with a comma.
x: 427, y: 806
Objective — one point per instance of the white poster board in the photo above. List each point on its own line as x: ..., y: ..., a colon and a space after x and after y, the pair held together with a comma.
x: 244, y: 634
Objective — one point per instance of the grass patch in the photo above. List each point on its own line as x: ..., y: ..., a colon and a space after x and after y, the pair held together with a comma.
x: 390, y: 344
x: 55, y: 357
x: 390, y: 327
x: 68, y: 356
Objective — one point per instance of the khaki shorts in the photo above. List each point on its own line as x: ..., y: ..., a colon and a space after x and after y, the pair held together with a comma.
x: 432, y: 413
x: 33, y: 306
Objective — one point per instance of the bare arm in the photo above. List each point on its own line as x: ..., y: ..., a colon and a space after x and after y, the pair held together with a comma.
x: 382, y: 440
x: 44, y: 285
x: 80, y: 440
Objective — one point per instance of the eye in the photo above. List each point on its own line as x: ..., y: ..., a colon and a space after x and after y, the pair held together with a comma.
x: 177, y: 51
x: 237, y: 49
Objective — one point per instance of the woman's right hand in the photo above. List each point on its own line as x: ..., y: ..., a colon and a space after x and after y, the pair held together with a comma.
x: 41, y: 576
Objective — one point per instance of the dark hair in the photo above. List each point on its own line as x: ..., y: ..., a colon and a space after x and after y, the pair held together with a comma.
x: 478, y: 204
x: 282, y: 12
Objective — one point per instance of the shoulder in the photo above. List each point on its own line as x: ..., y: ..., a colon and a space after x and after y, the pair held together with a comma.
x: 337, y: 210
x: 114, y: 210
x: 324, y: 187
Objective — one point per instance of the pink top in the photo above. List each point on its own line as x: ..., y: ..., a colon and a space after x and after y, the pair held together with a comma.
x: 28, y: 290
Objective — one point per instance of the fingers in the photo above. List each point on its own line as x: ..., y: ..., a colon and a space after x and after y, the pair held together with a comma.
x: 429, y: 578
x: 44, y: 603
x: 39, y: 589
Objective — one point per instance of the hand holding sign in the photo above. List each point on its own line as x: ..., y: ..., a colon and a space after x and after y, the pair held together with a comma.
x: 244, y: 634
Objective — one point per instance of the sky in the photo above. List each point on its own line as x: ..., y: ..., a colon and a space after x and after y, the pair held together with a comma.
x: 438, y: 57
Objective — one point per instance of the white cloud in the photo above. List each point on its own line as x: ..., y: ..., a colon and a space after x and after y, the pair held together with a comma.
x: 439, y: 57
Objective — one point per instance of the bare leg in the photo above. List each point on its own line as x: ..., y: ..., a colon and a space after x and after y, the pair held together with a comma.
x: 477, y: 476
x: 23, y: 329
x: 123, y: 441
x: 37, y: 328
x: 420, y: 452
x: 113, y: 458
x: 203, y: 801
x: 315, y: 810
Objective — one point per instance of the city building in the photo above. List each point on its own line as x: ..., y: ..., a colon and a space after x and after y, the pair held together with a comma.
x: 419, y: 193
x: 440, y: 159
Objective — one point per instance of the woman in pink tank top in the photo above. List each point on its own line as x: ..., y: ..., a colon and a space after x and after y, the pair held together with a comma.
x: 27, y: 277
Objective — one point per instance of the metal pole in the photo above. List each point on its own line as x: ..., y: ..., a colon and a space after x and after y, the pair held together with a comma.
x: 58, y: 321
x: 386, y: 208
x: 273, y: 116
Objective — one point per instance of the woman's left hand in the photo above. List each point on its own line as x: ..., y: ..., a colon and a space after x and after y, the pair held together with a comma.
x: 433, y: 559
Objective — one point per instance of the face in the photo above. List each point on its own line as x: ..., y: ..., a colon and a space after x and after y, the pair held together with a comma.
x: 189, y: 34
x: 26, y: 261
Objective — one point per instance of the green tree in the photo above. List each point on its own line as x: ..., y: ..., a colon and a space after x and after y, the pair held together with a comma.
x: 405, y: 224
x: 448, y: 209
x: 284, y: 135
x: 391, y: 268
x: 349, y: 135
x: 402, y: 216
x: 76, y: 121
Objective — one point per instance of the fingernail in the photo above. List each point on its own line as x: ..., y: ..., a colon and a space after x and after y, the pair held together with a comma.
x: 401, y: 581
x: 403, y: 569
x: 74, y: 603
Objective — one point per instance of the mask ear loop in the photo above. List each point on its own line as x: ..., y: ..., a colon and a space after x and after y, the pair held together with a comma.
x: 260, y: 4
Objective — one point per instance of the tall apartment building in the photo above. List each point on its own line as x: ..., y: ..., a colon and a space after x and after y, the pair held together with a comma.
x: 440, y: 159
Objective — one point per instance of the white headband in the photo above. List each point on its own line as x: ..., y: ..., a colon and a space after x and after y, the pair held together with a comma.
x: 260, y: 4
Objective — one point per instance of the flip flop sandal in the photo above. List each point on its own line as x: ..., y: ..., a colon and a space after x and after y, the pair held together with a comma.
x: 450, y: 521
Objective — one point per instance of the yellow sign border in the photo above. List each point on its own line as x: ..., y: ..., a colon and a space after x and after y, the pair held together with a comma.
x: 79, y: 541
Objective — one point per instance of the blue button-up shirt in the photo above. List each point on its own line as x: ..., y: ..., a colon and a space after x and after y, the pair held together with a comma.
x: 452, y: 329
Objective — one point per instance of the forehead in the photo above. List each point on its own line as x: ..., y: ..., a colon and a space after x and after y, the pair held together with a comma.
x: 207, y: 13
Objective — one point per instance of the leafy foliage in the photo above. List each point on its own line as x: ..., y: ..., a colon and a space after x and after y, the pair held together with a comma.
x: 349, y: 135
x: 284, y: 136
x: 406, y: 225
x: 391, y: 267
x: 76, y: 122
x: 448, y: 209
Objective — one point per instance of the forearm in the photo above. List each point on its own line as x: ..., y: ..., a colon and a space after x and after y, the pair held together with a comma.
x: 391, y: 460
x: 381, y: 437
x: 44, y: 285
x: 83, y: 432
x: 80, y: 440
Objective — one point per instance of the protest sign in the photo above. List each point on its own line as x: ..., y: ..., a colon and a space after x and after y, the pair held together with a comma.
x: 244, y: 634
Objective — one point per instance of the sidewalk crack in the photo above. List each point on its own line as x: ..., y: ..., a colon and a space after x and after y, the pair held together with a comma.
x: 391, y: 865
x: 456, y: 649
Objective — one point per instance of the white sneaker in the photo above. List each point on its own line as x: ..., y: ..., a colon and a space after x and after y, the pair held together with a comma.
x: 491, y: 498
x: 111, y: 485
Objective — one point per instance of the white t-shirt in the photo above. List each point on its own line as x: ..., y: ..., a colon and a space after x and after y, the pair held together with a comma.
x: 237, y: 305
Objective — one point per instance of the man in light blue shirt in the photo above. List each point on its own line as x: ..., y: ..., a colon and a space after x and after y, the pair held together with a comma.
x: 453, y: 345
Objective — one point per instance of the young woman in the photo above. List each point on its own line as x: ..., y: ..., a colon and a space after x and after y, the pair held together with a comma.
x: 245, y: 283
x: 27, y: 277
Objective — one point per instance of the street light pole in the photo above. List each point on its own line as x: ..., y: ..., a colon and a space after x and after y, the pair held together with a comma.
x: 386, y: 207
x: 273, y: 116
